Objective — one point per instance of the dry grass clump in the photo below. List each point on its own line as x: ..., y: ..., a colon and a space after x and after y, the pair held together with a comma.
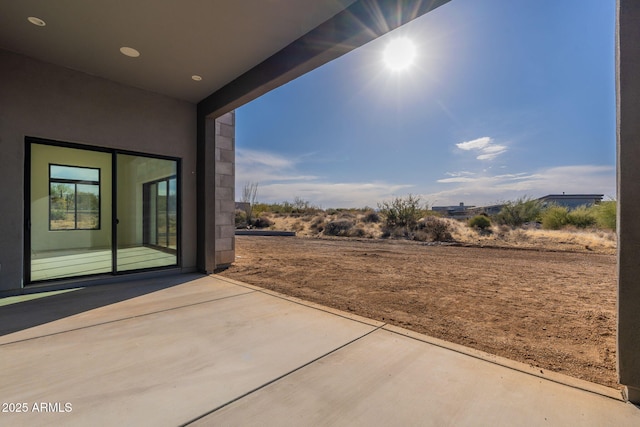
x: 297, y: 226
x: 357, y: 232
x: 338, y: 227
x: 263, y: 221
x: 370, y: 217
x: 317, y: 224
x: 460, y: 232
x: 433, y: 229
x: 591, y: 240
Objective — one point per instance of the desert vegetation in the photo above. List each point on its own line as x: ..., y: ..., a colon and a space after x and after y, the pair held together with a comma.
x: 522, y: 223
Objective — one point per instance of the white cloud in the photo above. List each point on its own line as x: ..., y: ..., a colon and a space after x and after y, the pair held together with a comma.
x: 485, y: 146
x: 333, y: 194
x: 254, y: 157
x: 487, y: 189
x: 279, y: 179
x: 458, y: 179
x: 262, y: 166
x: 476, y: 144
x: 460, y: 173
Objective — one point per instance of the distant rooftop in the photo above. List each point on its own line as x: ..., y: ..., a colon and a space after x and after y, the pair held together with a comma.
x: 572, y: 196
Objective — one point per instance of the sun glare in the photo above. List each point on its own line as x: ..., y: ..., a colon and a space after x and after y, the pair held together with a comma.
x: 399, y: 54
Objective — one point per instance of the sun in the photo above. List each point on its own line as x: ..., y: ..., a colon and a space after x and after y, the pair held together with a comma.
x: 399, y: 54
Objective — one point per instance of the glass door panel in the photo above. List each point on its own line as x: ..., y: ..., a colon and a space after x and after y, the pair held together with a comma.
x: 70, y: 212
x: 144, y: 212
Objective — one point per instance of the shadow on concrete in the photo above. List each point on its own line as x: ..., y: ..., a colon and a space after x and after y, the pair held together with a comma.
x: 27, y: 314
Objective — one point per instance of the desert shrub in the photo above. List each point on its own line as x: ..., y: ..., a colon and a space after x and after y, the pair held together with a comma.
x: 317, y: 224
x: 356, y: 232
x: 284, y: 207
x: 241, y: 218
x: 401, y: 212
x: 480, y: 222
x: 261, y: 222
x: 421, y: 236
x: 259, y: 208
x: 395, y: 232
x: 301, y: 206
x: 605, y: 214
x: 57, y: 215
x: 516, y: 212
x: 296, y: 208
x: 371, y: 217
x: 346, y: 215
x: 581, y: 217
x: 519, y: 235
x: 338, y: 227
x: 554, y: 217
x: 436, y: 229
x: 278, y: 208
x: 502, y: 231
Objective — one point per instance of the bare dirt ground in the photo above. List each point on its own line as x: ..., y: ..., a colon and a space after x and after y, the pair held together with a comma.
x: 551, y: 309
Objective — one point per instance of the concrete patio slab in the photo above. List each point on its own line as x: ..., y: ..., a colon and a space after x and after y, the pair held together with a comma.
x: 204, y: 350
x: 389, y: 379
x: 111, y: 302
x: 169, y: 366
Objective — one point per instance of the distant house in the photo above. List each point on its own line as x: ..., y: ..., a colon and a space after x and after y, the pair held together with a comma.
x: 571, y: 201
x: 456, y: 211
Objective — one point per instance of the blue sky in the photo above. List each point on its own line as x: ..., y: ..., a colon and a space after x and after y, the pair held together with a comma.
x: 504, y: 99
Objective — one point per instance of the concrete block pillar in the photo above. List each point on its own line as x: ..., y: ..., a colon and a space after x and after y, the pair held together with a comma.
x: 216, y: 192
x: 628, y: 160
x: 225, y: 177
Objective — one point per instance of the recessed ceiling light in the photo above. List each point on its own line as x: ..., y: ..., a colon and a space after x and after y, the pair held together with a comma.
x: 196, y: 77
x: 36, y: 21
x: 129, y: 51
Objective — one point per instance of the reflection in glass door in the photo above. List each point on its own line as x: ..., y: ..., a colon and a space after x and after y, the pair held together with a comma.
x: 147, y: 232
x: 160, y: 213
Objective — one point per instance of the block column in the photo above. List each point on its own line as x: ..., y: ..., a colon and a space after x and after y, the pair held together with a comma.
x: 215, y: 191
x: 628, y: 162
x: 225, y: 177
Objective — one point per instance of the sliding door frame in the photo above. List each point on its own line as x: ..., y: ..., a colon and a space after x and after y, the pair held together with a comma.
x: 114, y: 206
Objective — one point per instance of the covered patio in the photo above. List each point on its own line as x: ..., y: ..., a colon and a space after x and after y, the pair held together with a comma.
x: 175, y: 349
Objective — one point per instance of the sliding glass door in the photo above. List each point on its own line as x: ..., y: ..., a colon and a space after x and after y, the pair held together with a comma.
x: 147, y: 212
x: 93, y: 211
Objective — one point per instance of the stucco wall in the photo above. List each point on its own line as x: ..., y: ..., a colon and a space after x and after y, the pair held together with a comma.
x: 46, y: 101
